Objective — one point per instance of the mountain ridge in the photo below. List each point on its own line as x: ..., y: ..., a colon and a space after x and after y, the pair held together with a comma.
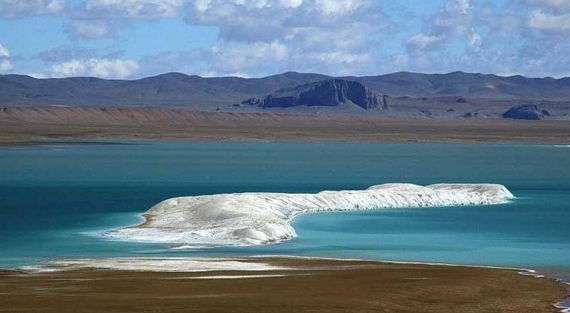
x: 455, y: 94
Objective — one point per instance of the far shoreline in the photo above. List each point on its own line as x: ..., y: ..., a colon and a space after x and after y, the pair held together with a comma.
x: 112, y: 141
x: 44, y: 124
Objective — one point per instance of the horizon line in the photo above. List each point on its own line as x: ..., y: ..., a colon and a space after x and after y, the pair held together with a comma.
x: 285, y: 73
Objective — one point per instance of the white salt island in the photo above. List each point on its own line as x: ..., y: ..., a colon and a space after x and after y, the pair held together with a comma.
x: 263, y: 218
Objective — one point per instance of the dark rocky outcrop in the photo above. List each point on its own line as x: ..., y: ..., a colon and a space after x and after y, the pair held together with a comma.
x: 525, y: 112
x: 332, y: 92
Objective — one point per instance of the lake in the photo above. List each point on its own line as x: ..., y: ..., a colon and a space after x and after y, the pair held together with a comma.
x: 56, y: 199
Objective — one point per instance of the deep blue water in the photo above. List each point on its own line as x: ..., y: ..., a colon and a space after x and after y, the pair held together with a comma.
x: 54, y: 199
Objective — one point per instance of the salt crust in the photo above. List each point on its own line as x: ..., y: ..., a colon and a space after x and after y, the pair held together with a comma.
x: 264, y: 218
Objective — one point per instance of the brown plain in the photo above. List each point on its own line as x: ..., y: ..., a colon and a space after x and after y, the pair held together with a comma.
x: 314, y: 286
x: 29, y: 124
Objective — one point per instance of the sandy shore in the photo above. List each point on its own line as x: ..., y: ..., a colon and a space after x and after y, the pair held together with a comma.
x: 20, y: 125
x: 305, y: 285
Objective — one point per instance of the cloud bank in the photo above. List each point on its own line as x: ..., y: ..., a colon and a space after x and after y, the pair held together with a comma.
x: 24, y: 8
x: 114, y: 68
x: 341, y: 37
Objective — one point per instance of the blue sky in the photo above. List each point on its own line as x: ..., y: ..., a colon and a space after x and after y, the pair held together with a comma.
x: 130, y: 39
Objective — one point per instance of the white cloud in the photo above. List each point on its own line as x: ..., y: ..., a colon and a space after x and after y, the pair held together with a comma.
x: 5, y: 65
x: 291, y: 3
x: 475, y: 40
x: 559, y: 5
x: 69, y: 68
x: 90, y: 29
x: 423, y: 41
x: 543, y: 21
x: 492, y: 38
x: 250, y: 21
x: 258, y: 59
x: 459, y: 6
x: 261, y: 37
x: 338, y: 7
x: 4, y: 52
x: 131, y: 9
x: 104, y: 68
x: 113, y: 68
x: 455, y: 18
x: 341, y: 37
x: 455, y: 21
x: 23, y: 8
x: 250, y: 58
x: 64, y: 53
x: 93, y: 19
x: 264, y: 37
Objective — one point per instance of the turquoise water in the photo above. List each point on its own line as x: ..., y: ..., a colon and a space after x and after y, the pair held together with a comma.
x: 55, y: 199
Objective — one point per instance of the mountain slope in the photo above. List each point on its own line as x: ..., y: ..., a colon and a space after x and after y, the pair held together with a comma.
x: 483, y: 86
x: 171, y: 89
x: 456, y: 94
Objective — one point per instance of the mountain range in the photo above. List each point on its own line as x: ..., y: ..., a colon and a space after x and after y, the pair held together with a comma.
x: 456, y: 94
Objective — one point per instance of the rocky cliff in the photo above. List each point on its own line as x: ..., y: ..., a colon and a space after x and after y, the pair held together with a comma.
x: 332, y: 92
x: 525, y: 112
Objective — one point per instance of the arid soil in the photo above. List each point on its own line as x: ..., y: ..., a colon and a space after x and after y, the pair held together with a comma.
x: 311, y: 286
x: 28, y: 124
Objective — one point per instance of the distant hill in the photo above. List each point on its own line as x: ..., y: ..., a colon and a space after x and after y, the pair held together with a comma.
x: 455, y: 94
x: 171, y: 89
x: 483, y: 86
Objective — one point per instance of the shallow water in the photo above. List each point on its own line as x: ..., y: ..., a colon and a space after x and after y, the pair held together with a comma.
x: 54, y: 199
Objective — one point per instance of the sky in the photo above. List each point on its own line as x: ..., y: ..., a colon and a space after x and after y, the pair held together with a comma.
x: 131, y: 39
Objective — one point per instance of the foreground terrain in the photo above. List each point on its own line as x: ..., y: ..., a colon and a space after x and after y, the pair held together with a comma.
x: 306, y: 286
x: 30, y: 124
